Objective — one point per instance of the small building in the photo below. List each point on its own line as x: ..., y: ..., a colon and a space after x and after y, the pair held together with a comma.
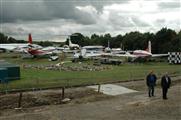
x: 174, y: 57
x: 9, y: 71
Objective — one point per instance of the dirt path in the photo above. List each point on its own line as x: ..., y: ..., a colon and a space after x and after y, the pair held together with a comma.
x: 133, y: 106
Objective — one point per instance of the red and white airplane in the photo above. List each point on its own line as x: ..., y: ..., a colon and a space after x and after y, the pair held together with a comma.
x: 39, y: 52
x: 19, y: 47
x: 140, y: 53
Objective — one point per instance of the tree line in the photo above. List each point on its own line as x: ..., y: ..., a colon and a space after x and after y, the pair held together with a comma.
x: 163, y: 41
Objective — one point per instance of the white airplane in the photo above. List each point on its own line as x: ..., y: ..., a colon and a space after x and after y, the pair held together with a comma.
x: 117, y: 51
x: 139, y: 53
x: 89, y: 52
x: 19, y: 47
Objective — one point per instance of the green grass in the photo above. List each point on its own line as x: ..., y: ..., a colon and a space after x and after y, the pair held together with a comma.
x: 33, y: 78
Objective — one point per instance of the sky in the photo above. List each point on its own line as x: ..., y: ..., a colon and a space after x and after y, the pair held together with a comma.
x: 56, y: 19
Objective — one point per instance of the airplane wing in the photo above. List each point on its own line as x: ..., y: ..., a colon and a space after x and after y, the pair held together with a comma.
x: 159, y: 55
x: 90, y: 55
x: 120, y: 55
x: 9, y: 48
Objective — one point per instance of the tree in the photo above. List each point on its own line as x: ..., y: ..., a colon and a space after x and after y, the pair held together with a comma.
x: 45, y: 43
x: 179, y: 37
x: 176, y: 43
x: 78, y: 38
x: 104, y: 39
x: 3, y: 38
x: 148, y: 37
x: 116, y: 42
x: 95, y: 39
x: 133, y: 41
x: 6, y: 39
x: 164, y: 39
x: 11, y: 40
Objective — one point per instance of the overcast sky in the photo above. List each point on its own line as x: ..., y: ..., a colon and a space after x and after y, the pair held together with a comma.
x: 48, y: 19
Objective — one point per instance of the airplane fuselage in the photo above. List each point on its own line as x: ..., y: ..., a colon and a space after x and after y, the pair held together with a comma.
x: 142, y: 53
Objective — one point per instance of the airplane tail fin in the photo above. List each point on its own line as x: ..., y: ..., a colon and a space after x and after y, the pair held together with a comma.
x: 70, y: 43
x: 30, y: 39
x: 108, y: 44
x: 149, y: 47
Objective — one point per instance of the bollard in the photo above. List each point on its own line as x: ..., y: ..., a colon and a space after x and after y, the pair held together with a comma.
x: 20, y: 99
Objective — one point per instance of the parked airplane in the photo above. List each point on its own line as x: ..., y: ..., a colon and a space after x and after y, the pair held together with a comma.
x: 39, y: 52
x: 48, y: 51
x: 141, y: 53
x: 19, y: 47
x: 89, y: 52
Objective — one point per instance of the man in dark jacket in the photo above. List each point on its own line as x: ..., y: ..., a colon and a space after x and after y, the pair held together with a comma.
x: 165, y: 84
x: 151, y: 82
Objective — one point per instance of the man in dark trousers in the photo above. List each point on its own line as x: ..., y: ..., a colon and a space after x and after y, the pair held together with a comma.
x: 165, y: 84
x: 151, y: 82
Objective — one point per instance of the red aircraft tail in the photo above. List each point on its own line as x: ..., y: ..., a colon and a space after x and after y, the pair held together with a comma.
x: 30, y: 39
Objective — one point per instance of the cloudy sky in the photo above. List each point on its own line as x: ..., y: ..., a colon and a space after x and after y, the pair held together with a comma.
x: 49, y: 19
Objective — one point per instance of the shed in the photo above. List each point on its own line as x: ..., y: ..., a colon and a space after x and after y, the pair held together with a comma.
x: 3, y: 75
x: 12, y: 71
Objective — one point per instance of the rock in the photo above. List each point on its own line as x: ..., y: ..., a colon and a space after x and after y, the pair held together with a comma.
x: 65, y: 100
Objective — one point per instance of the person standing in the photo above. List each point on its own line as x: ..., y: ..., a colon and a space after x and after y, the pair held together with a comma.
x: 165, y: 84
x: 151, y: 83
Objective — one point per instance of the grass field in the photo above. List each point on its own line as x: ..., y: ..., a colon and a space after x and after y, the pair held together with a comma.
x: 34, y: 78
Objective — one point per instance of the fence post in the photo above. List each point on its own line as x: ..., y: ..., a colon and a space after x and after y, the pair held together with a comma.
x: 99, y: 88
x: 20, y: 99
x: 63, y: 92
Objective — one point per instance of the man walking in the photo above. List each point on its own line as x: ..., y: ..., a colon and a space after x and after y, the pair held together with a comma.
x: 151, y: 82
x: 165, y: 84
